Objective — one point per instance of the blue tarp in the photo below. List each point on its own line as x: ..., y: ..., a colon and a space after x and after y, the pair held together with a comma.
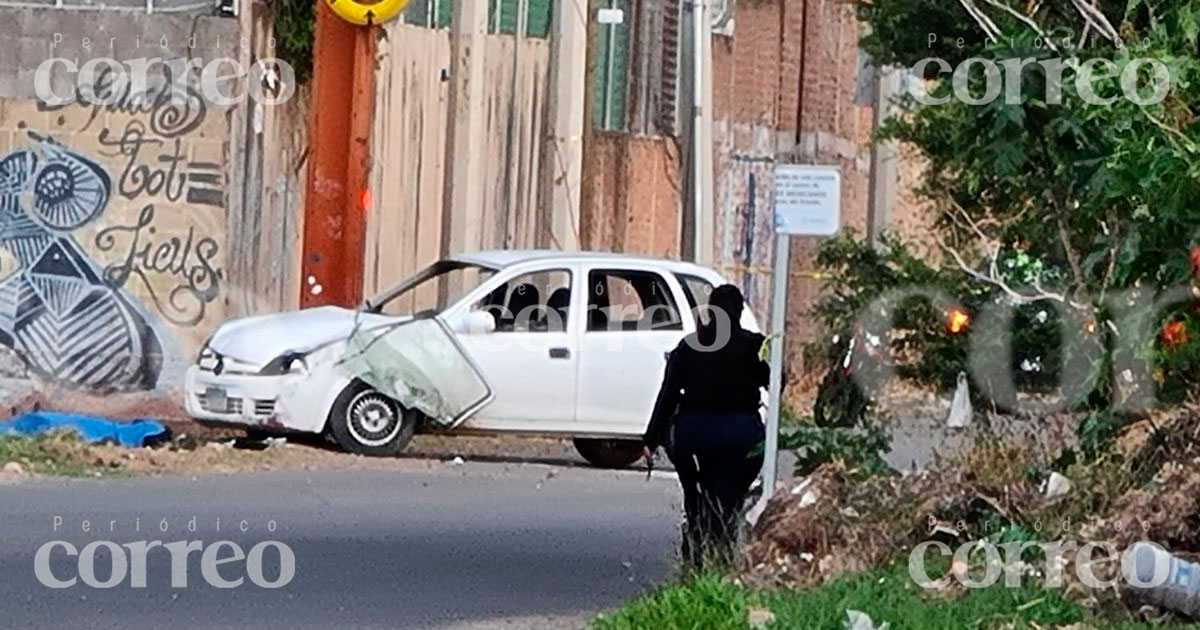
x: 132, y: 433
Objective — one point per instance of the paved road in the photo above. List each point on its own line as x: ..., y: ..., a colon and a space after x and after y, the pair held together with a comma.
x: 424, y: 546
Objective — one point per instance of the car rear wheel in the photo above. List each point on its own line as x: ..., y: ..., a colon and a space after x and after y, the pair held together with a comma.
x: 609, y: 453
x: 365, y: 421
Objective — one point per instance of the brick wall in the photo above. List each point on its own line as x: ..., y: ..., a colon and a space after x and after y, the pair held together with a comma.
x: 764, y: 113
x: 759, y: 97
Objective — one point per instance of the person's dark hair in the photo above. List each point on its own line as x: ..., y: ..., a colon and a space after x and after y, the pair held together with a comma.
x: 725, y: 312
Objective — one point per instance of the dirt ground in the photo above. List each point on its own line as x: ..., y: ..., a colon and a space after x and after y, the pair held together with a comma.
x: 211, y: 449
x: 228, y: 456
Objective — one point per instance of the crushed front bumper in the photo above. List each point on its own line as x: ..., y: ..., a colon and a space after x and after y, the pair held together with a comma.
x: 244, y: 399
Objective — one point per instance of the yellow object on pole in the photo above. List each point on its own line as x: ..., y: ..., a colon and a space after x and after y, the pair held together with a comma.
x: 367, y: 12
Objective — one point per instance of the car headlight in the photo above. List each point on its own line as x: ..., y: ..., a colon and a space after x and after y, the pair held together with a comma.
x: 207, y: 359
x: 289, y: 363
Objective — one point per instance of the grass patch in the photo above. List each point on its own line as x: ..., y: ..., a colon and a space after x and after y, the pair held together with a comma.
x: 53, y: 453
x: 710, y: 602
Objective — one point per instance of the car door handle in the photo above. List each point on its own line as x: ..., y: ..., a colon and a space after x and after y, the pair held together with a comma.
x: 560, y: 353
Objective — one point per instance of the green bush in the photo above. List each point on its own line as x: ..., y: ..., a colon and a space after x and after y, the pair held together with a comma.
x: 917, y: 340
x: 295, y: 26
x: 858, y: 448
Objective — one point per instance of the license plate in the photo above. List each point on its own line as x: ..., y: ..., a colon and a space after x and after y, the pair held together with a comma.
x: 216, y: 399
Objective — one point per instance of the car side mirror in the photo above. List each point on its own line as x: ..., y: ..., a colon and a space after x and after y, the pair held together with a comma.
x: 478, y: 322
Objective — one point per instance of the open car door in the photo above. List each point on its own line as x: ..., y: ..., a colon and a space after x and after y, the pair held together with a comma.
x: 420, y: 364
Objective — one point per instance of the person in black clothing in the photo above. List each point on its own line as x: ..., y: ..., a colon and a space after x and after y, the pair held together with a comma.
x: 706, y: 417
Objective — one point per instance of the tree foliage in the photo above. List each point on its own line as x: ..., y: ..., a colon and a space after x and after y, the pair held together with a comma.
x: 1105, y: 197
x: 295, y: 26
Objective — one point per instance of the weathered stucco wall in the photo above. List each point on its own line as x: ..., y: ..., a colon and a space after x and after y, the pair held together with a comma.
x: 634, y: 186
x: 913, y: 216
x: 405, y: 219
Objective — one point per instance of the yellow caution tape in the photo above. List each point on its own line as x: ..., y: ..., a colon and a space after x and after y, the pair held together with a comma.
x: 803, y: 273
x: 764, y: 351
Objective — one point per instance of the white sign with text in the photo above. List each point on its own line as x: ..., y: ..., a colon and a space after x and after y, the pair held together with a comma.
x: 808, y: 200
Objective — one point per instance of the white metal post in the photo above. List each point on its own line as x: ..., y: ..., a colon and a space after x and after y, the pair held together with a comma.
x: 774, y: 399
x: 701, y: 140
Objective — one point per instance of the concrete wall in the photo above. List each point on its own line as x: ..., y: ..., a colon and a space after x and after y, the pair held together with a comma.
x: 118, y: 221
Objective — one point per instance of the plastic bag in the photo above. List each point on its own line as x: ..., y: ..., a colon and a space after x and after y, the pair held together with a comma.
x: 960, y: 407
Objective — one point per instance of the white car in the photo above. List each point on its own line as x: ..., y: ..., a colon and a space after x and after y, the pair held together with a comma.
x: 534, y: 342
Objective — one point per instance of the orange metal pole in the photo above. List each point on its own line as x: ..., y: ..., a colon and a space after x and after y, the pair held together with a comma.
x: 339, y: 161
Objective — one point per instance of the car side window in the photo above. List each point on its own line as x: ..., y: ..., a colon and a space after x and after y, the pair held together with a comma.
x: 534, y: 302
x: 696, y: 289
x: 630, y: 300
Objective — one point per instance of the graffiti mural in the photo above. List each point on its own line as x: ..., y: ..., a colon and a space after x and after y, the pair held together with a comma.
x: 112, y: 225
x: 744, y: 227
x: 56, y: 310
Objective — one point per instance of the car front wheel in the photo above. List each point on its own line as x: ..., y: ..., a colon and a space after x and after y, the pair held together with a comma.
x: 365, y: 421
x: 609, y: 453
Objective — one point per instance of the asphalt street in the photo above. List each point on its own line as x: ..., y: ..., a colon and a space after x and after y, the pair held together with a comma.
x: 428, y: 545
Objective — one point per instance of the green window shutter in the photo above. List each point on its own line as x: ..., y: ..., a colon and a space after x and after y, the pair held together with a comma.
x: 612, y: 72
x: 537, y: 18
x: 417, y: 12
x: 537, y: 22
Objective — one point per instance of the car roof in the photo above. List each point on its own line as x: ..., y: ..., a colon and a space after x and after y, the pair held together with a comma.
x: 500, y: 258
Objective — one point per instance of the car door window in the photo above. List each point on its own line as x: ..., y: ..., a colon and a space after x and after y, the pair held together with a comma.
x: 696, y: 290
x: 534, y: 302
x: 630, y: 300
x: 443, y: 284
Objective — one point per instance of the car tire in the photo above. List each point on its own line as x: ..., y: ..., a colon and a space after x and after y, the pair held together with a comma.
x: 365, y: 421
x: 609, y: 453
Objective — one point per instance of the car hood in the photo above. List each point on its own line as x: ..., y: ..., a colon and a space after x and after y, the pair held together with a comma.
x: 257, y: 340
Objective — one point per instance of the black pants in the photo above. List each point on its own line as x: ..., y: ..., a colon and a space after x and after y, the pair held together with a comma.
x: 711, y: 454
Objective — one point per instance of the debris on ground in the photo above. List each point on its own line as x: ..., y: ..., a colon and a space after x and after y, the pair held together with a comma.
x: 857, y: 620
x: 1056, y: 486
x: 13, y: 468
x: 1168, y: 580
x: 961, y: 413
x: 839, y: 520
x: 759, y: 618
x: 834, y: 523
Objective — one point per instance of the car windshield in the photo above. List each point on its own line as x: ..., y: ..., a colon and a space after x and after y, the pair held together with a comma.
x: 430, y: 291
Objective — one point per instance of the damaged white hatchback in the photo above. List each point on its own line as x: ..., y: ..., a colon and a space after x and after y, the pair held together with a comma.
x: 515, y: 341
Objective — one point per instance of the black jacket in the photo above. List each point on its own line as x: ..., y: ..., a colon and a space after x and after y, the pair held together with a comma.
x: 723, y: 379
